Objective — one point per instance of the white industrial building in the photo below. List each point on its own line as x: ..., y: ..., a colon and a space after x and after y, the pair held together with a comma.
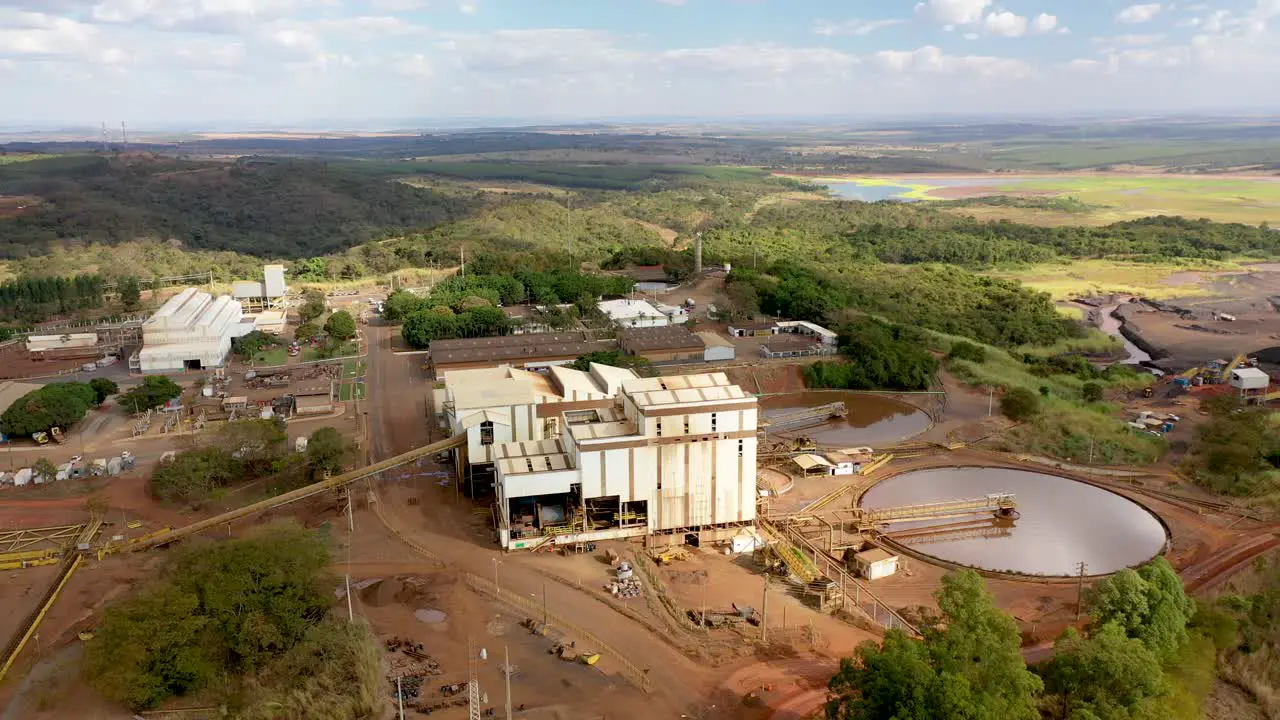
x: 504, y: 404
x: 265, y: 293
x: 669, y: 457
x: 1250, y: 382
x: 192, y: 331
x: 630, y: 313
x: 813, y: 330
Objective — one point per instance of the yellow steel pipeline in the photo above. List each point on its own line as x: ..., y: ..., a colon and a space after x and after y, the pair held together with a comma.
x: 44, y: 609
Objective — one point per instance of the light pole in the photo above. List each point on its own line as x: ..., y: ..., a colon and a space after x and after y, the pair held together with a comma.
x: 497, y: 591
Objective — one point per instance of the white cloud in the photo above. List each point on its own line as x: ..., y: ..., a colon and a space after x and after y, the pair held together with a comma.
x: 224, y: 16
x: 853, y: 27
x: 932, y: 60
x: 1133, y: 40
x: 953, y: 12
x: 40, y: 35
x: 1044, y: 23
x: 1137, y: 14
x: 1005, y: 24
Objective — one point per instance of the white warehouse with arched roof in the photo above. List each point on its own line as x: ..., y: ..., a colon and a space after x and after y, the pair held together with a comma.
x: 191, y: 331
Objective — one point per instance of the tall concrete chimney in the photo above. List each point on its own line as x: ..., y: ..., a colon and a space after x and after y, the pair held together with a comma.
x: 697, y: 254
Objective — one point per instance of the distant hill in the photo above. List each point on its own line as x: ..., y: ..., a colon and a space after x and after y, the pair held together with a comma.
x: 270, y: 207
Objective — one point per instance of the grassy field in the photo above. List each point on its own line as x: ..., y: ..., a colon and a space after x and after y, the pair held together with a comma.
x: 1098, y: 199
x: 346, y: 350
x: 349, y: 390
x: 9, y: 159
x: 1091, y: 277
x: 1245, y: 200
x: 271, y: 358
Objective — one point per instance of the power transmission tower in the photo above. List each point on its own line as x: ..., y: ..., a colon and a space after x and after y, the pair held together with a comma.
x: 124, y: 136
x: 106, y: 142
x: 1080, y: 590
x: 473, y: 686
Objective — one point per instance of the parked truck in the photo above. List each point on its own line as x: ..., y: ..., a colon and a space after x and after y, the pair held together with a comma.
x: 56, y: 434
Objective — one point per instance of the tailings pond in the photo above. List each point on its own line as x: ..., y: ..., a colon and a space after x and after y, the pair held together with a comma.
x: 872, y: 420
x: 1060, y: 522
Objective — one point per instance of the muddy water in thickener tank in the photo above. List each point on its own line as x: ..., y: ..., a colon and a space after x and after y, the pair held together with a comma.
x: 1061, y: 522
x: 872, y: 420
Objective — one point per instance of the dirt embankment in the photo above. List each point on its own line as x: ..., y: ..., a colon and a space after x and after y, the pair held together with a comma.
x: 768, y: 379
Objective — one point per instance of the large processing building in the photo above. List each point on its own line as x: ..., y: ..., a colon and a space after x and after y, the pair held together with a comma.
x: 191, y: 331
x: 666, y: 456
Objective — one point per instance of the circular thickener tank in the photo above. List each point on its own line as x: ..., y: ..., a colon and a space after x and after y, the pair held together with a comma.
x: 1059, y: 523
x: 871, y: 420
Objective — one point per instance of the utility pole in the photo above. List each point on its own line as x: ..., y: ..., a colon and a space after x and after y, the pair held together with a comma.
x: 991, y: 399
x: 463, y: 249
x: 1080, y: 591
x: 764, y: 612
x: 400, y: 698
x: 497, y: 592
x: 506, y: 670
x: 544, y: 603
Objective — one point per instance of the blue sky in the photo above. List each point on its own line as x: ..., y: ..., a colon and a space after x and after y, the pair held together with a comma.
x: 366, y: 62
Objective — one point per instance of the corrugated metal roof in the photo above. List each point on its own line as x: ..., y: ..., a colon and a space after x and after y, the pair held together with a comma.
x: 493, y: 416
x: 534, y: 464
x: 874, y: 556
x: 549, y: 446
x: 809, y: 462
x: 667, y: 337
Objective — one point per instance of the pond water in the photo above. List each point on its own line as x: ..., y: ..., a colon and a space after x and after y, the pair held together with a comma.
x: 1060, y: 522
x: 872, y: 420
x: 855, y: 190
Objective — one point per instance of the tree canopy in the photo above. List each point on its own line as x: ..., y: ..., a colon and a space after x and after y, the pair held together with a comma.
x: 878, y: 356
x: 967, y: 667
x: 1149, y: 604
x: 326, y: 451
x: 1104, y: 676
x: 152, y: 392
x: 340, y: 325
x: 219, y: 608
x: 53, y: 405
x: 1238, y: 450
x: 103, y: 388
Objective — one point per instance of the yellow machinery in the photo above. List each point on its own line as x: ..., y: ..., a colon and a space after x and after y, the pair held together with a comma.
x: 666, y: 556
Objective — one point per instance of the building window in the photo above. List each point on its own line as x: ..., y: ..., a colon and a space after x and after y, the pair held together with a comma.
x: 686, y: 424
x: 713, y: 422
x: 657, y: 425
x: 740, y: 447
x: 486, y: 433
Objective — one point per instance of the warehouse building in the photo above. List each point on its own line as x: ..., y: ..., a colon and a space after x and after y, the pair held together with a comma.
x: 530, y: 351
x: 672, y: 457
x: 788, y: 346
x: 669, y: 343
x: 808, y: 329
x: 191, y: 331
x: 261, y: 294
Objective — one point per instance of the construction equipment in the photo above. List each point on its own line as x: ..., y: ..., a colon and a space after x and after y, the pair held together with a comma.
x: 56, y: 434
x: 570, y: 653
x: 666, y: 556
x: 41, y: 437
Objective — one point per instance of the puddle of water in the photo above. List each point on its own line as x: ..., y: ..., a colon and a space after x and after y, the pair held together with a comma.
x: 434, y: 617
x: 872, y: 420
x: 853, y: 190
x: 1061, y: 522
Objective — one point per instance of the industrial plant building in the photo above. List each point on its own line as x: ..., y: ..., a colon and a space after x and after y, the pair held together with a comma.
x: 266, y: 293
x: 630, y: 313
x: 668, y: 457
x: 191, y: 331
x: 501, y: 405
x: 535, y: 350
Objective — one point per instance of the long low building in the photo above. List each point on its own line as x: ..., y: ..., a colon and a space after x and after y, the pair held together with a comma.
x: 669, y: 343
x: 536, y: 350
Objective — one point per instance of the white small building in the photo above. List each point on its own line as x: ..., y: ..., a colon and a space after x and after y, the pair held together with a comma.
x: 191, y: 331
x: 718, y: 349
x: 265, y: 293
x: 1249, y: 379
x: 875, y: 564
x: 634, y: 313
x: 676, y: 314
